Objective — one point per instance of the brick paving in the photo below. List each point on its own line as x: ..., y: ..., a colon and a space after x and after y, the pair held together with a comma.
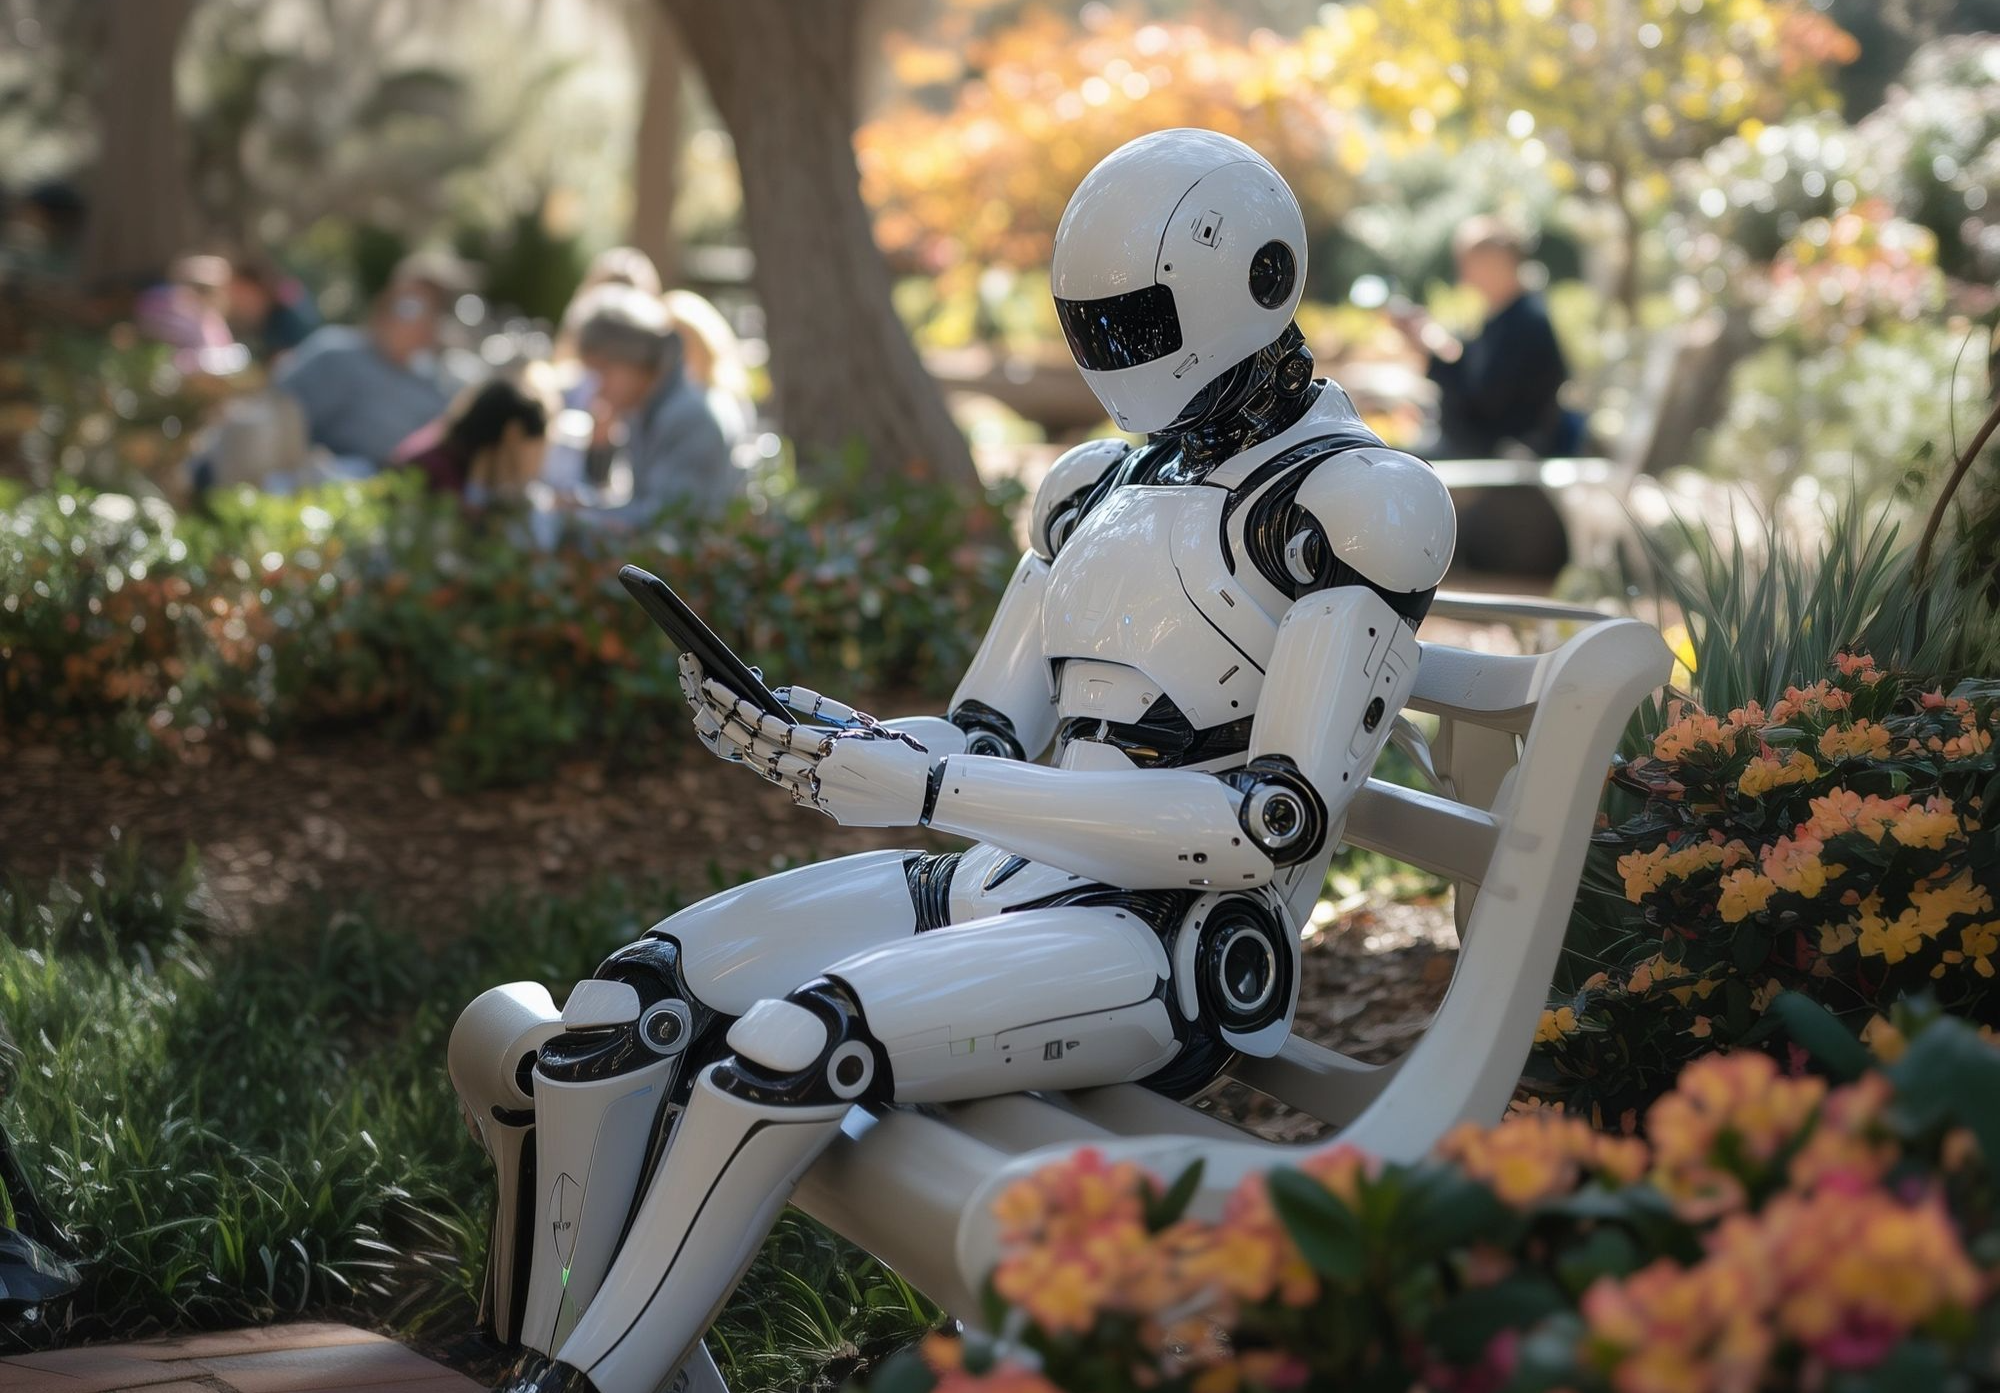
x: 304, y: 1358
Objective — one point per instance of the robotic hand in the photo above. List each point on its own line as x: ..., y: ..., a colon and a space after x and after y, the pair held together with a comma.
x: 845, y: 763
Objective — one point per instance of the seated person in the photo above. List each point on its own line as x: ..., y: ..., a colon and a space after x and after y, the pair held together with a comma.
x: 575, y: 465
x: 1497, y: 392
x: 185, y: 312
x: 673, y: 446
x: 486, y: 448
x: 270, y: 309
x: 365, y: 390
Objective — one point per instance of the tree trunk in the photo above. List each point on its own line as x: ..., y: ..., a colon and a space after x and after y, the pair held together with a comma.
x: 656, y: 146
x: 844, y: 370
x: 139, y: 210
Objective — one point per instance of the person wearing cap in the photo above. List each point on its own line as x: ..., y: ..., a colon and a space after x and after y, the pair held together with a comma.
x: 365, y: 390
x: 1497, y: 391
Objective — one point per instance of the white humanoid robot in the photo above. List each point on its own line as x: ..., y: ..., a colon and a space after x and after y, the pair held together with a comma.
x: 1212, y: 633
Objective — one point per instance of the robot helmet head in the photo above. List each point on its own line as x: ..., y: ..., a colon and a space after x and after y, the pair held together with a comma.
x: 1180, y: 255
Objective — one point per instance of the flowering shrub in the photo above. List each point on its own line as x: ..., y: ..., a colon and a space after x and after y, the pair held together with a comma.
x: 1837, y: 844
x: 1771, y: 1232
x: 135, y: 628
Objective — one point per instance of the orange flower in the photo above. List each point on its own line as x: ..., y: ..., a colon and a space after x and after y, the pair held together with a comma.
x: 1766, y: 772
x: 1928, y: 827
x: 1727, y: 1118
x: 1534, y: 1156
x: 1844, y: 810
x: 1862, y: 740
x: 1744, y: 893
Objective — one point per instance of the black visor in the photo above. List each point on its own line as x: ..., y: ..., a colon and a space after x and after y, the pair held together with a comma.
x: 1121, y: 331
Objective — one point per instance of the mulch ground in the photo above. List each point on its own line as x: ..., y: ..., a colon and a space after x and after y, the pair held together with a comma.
x: 360, y: 818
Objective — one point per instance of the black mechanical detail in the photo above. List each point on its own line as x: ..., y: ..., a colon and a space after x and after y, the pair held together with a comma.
x: 537, y: 1373
x: 1288, y: 545
x: 1163, y: 738
x: 671, y: 1021
x: 1243, y: 964
x: 1281, y: 811
x: 987, y: 731
x: 930, y: 887
x: 1372, y: 717
x: 1250, y: 402
x: 1273, y: 272
x: 851, y: 1069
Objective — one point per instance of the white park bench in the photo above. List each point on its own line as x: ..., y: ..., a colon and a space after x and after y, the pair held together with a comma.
x: 1521, y: 753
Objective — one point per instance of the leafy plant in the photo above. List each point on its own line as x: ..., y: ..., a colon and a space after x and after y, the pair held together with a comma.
x: 146, y: 632
x: 243, y: 1131
x: 1835, y: 844
x: 1770, y: 1232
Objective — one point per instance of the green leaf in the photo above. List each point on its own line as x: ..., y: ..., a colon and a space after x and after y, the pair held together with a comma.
x: 903, y: 1372
x: 1914, y: 1366
x: 1323, y: 1227
x: 1444, y: 1209
x: 1949, y: 1074
x: 1462, y: 1328
x: 1820, y: 1034
x: 1607, y: 1252
x: 1162, y: 1210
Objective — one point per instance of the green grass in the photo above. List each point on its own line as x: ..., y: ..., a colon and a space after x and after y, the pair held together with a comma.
x: 241, y: 1131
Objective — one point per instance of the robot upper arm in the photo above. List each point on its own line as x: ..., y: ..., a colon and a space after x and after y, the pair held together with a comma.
x: 1064, y: 489
x: 1370, y: 516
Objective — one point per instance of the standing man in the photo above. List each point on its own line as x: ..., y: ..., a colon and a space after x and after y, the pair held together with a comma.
x: 1497, y: 392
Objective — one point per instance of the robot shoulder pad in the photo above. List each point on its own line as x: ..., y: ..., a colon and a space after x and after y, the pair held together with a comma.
x: 1385, y: 514
x: 1063, y: 487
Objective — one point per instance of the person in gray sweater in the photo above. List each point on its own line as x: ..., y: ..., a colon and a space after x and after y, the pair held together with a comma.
x: 676, y: 451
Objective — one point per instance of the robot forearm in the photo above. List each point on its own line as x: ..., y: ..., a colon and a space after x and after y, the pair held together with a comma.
x: 1144, y: 829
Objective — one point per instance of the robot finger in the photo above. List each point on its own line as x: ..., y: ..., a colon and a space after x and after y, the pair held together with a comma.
x: 822, y: 708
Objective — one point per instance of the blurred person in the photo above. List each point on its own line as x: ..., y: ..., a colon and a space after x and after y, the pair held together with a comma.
x: 270, y: 310
x: 484, y: 450
x: 366, y: 390
x: 1497, y: 391
x: 185, y: 312
x: 673, y: 446
x: 576, y: 461
x: 714, y: 362
x: 621, y: 266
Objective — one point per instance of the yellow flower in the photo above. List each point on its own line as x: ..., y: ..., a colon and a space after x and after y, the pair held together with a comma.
x: 1977, y: 944
x: 1844, y: 810
x: 1928, y: 827
x: 1862, y: 740
x: 1891, y: 940
x: 1882, y: 1037
x: 1934, y: 907
x: 1766, y: 772
x: 1643, y: 872
x: 1971, y: 745
x: 1555, y: 1024
x: 1794, y: 865
x: 1744, y: 892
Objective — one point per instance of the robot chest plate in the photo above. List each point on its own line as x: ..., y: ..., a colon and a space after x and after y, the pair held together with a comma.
x: 1142, y: 585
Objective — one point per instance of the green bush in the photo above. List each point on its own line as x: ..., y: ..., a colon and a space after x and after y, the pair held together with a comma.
x: 374, y: 605
x: 242, y: 1132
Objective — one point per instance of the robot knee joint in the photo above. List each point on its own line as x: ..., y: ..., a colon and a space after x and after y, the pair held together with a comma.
x: 635, y: 1010
x: 811, y: 1048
